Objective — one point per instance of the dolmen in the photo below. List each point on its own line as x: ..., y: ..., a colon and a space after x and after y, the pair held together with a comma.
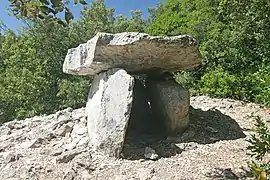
x: 132, y: 86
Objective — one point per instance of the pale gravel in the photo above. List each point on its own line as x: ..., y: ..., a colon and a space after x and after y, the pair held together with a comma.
x: 213, y: 147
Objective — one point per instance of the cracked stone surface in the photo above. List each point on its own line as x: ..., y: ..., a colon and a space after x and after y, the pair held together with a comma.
x: 108, y: 110
x: 134, y: 52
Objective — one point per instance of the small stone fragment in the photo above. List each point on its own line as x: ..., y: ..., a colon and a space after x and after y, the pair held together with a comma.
x: 15, y: 125
x: 5, y: 131
x: 57, y: 152
x: 68, y: 156
x: 83, y: 142
x: 10, y: 157
x: 70, y: 175
x: 38, y: 142
x: 187, y: 146
x: 78, y: 113
x: 63, y: 130
x: 50, y: 136
x: 145, y: 173
x: 150, y: 153
x: 71, y: 145
x: 121, y: 177
x: 48, y: 170
x: 78, y: 129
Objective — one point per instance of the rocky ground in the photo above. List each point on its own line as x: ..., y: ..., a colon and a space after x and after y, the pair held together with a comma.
x: 56, y: 147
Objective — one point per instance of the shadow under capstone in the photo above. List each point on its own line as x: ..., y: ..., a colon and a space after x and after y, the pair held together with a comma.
x: 142, y: 120
x: 205, y: 127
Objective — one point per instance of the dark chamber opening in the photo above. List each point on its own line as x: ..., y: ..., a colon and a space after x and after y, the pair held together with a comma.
x: 142, y: 119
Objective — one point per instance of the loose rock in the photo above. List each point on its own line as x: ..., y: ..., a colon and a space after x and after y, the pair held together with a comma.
x: 150, y: 153
x: 68, y: 156
x: 65, y: 129
x: 38, y: 142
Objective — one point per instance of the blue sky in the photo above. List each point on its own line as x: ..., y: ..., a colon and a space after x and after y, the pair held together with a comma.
x: 121, y: 7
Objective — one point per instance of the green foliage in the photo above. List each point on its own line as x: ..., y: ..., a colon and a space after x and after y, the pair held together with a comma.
x: 72, y: 92
x: 259, y: 147
x: 245, y: 86
x: 219, y: 83
x: 233, y: 38
x: 133, y: 24
x: 183, y: 17
x: 96, y: 18
x: 260, y: 142
x: 31, y: 77
x: 43, y: 9
x: 188, y: 80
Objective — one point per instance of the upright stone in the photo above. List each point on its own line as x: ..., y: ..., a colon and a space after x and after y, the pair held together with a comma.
x: 170, y: 104
x: 108, y: 109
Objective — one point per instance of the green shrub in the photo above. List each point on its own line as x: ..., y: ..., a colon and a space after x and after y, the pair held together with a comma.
x: 233, y: 38
x: 219, y: 83
x: 259, y: 147
x: 31, y: 78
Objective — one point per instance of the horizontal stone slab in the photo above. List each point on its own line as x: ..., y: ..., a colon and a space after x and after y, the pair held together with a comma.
x: 134, y: 52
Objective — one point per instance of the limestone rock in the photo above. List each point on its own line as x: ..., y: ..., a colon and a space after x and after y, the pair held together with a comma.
x: 170, y: 104
x: 83, y: 142
x: 198, y: 159
x: 68, y: 156
x: 78, y: 130
x: 187, y: 146
x: 38, y: 142
x: 10, y: 157
x: 134, y: 52
x: 70, y: 175
x: 145, y: 173
x: 15, y: 125
x: 65, y: 129
x: 108, y: 108
x: 56, y: 152
x: 150, y: 153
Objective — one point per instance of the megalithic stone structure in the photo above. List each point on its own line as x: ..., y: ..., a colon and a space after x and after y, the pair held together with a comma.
x: 134, y: 52
x: 113, y: 59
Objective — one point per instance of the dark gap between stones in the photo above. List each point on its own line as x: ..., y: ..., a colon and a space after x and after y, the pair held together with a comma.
x: 144, y: 127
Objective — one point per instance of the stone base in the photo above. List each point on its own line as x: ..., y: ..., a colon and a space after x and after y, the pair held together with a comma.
x: 170, y: 104
x: 117, y: 101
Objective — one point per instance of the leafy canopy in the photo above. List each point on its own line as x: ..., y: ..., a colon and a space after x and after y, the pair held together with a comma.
x: 43, y: 9
x: 31, y: 77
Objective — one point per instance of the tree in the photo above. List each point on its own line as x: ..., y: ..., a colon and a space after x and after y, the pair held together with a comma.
x: 43, y: 9
x: 233, y: 37
x: 133, y: 24
x: 31, y: 77
x: 183, y: 17
x: 240, y: 45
